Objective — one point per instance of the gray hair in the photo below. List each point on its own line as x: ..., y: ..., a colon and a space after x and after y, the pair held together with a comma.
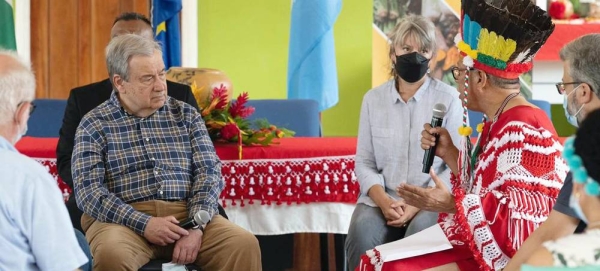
x: 504, y: 83
x: 122, y: 48
x: 17, y: 84
x: 583, y: 57
x: 414, y: 25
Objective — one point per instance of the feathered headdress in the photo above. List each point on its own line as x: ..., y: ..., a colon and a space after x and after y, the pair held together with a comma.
x: 501, y: 37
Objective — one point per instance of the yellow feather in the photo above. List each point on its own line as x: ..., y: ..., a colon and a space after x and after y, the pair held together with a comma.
x: 465, y: 48
x: 509, y: 48
x: 495, y: 45
x: 484, y: 42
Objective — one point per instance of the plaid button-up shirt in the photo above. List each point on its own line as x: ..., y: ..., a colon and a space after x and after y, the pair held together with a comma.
x: 120, y: 159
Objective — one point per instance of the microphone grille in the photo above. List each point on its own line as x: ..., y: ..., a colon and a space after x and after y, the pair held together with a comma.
x: 202, y: 217
x: 439, y: 110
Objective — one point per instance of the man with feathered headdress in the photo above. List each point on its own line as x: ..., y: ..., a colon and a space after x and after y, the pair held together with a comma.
x: 506, y: 184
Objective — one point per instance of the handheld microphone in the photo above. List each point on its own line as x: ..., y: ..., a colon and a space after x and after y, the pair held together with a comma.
x: 200, y: 218
x: 439, y: 111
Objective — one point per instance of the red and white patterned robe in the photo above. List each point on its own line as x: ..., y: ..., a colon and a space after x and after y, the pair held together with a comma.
x: 517, y: 177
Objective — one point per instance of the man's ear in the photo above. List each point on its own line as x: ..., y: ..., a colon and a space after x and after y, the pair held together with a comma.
x: 480, y: 79
x: 585, y: 95
x: 482, y: 76
x: 118, y: 83
x: 21, y: 113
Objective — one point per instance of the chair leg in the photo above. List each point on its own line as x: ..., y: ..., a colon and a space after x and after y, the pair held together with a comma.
x: 342, y: 259
x: 324, y: 249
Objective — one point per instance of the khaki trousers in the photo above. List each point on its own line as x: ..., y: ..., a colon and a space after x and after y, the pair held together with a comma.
x: 225, y: 246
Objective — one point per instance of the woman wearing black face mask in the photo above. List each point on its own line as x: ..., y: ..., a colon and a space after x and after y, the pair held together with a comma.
x: 388, y: 150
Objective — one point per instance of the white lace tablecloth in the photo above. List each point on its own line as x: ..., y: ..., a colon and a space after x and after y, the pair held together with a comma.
x: 323, y: 217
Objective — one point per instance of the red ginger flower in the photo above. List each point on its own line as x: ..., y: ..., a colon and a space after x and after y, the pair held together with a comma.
x: 229, y: 131
x: 239, y: 109
x: 220, y: 93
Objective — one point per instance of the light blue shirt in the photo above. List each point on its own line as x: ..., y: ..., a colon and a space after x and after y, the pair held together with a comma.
x: 35, y: 229
x: 389, y: 151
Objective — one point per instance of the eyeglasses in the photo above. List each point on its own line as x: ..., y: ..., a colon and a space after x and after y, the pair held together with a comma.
x: 561, y: 86
x: 31, y: 106
x: 456, y: 71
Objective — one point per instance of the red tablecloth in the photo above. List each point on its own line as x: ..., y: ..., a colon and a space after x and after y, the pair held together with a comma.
x: 563, y: 34
x: 294, y: 171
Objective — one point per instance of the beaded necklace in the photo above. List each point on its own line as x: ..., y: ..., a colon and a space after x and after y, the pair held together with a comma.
x: 478, y: 147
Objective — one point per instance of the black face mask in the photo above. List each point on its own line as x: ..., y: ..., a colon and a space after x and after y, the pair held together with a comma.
x: 411, y: 67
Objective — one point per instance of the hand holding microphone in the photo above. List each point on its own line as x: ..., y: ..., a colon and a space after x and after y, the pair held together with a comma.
x: 429, y: 140
x: 186, y: 249
x: 200, y: 218
x: 167, y: 230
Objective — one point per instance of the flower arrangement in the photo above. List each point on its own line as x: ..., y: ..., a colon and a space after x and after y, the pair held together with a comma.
x: 228, y: 121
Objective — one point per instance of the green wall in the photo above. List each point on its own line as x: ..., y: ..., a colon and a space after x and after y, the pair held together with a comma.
x: 562, y: 126
x: 248, y: 40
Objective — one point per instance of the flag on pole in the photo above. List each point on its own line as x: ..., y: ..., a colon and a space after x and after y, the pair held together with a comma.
x: 312, y: 72
x: 165, y: 22
x: 7, y: 26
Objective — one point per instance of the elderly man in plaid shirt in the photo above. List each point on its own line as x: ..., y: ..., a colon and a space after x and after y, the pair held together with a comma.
x: 142, y: 161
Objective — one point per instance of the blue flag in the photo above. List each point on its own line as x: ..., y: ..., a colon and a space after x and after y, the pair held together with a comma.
x: 312, y: 72
x: 165, y: 22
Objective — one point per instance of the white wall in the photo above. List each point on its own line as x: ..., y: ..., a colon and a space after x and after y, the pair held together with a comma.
x: 545, y: 75
x: 189, y: 33
x: 23, y: 28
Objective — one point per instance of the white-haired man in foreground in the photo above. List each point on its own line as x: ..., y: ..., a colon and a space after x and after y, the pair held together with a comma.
x: 35, y: 228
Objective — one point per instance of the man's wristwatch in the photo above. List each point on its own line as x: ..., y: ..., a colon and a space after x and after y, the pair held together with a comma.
x: 202, y: 218
x: 199, y: 227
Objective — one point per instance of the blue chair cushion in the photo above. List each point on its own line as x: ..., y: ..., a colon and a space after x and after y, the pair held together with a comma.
x: 47, y: 118
x: 475, y: 118
x: 299, y: 115
x: 544, y: 105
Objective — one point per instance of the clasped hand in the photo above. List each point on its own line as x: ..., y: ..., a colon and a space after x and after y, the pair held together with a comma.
x: 166, y: 230
x: 398, y: 213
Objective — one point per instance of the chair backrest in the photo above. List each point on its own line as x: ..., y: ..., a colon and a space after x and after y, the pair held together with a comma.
x: 544, y: 105
x: 47, y: 118
x: 475, y: 119
x: 299, y: 115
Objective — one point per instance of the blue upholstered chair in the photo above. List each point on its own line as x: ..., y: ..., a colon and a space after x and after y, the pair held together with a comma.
x: 301, y: 116
x: 544, y: 105
x: 474, y: 119
x: 47, y: 118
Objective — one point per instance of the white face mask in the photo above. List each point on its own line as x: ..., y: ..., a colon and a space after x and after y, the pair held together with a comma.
x: 572, y: 119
